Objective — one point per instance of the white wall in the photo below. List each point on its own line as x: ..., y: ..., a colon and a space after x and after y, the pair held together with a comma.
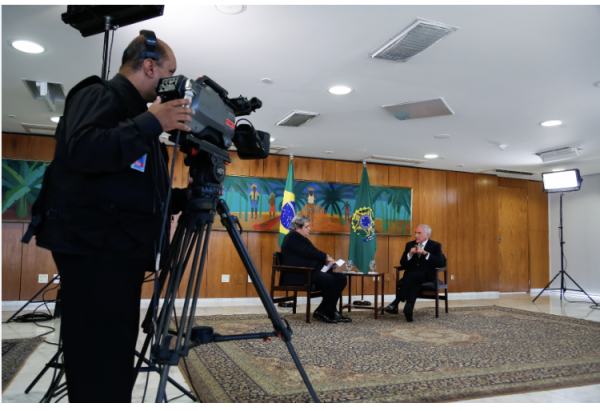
x: 581, y: 233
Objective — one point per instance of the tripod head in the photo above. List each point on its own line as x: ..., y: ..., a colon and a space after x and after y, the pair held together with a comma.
x: 207, y: 164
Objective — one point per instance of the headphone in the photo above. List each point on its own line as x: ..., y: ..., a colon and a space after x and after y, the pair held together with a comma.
x: 150, y: 39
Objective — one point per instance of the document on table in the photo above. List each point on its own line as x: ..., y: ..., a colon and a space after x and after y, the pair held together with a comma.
x: 327, y: 267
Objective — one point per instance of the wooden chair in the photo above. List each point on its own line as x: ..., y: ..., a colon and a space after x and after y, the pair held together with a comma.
x: 429, y: 290
x: 308, y: 288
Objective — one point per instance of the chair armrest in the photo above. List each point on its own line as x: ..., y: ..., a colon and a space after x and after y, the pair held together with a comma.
x: 293, y: 269
x: 398, y: 269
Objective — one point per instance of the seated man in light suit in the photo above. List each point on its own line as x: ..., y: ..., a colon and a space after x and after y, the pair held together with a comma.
x: 298, y: 251
x: 420, y: 259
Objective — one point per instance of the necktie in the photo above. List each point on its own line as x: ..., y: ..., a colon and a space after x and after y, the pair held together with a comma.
x: 420, y: 246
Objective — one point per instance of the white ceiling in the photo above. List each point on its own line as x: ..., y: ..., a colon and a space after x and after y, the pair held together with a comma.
x: 505, y: 70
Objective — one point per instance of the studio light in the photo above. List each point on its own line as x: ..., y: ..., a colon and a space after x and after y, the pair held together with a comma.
x: 562, y: 181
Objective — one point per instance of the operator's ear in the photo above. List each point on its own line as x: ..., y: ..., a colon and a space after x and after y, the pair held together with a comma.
x: 149, y: 67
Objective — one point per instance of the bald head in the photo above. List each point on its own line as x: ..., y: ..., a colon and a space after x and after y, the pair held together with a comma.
x: 132, y: 56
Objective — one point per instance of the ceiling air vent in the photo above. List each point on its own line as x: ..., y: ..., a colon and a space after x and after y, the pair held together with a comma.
x: 558, y: 154
x: 414, y: 39
x: 30, y: 128
x: 523, y: 173
x: 276, y: 149
x: 49, y: 93
x: 410, y: 110
x: 393, y: 160
x: 296, y: 118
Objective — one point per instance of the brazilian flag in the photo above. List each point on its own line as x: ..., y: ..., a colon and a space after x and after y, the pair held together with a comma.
x: 363, y: 243
x: 288, y: 210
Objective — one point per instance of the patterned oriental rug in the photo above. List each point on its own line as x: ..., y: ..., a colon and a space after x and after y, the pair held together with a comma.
x: 470, y: 352
x: 14, y: 354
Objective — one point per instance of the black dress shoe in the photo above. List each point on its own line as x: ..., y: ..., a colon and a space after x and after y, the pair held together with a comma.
x: 391, y: 309
x: 408, y: 312
x: 341, y: 319
x: 320, y: 316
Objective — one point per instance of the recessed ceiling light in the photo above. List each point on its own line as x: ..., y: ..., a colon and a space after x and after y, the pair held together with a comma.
x: 12, y: 116
x: 28, y: 46
x: 442, y: 136
x: 431, y: 156
x: 559, y: 169
x: 272, y: 139
x: 329, y: 152
x: 266, y: 80
x: 231, y: 9
x: 460, y: 165
x: 55, y: 119
x: 340, y: 90
x: 597, y: 84
x: 551, y: 123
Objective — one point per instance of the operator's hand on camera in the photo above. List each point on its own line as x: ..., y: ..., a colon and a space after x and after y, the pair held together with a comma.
x: 173, y: 114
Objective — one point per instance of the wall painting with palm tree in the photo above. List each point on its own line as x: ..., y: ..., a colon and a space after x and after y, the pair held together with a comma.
x: 21, y: 184
x: 257, y: 204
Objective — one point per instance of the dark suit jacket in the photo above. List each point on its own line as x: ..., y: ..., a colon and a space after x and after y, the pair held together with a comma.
x: 428, y: 266
x: 298, y: 251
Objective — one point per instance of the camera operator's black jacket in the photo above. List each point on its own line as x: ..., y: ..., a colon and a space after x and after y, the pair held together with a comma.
x: 92, y: 201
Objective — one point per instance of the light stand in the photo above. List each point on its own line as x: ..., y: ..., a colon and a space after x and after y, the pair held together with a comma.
x: 563, y: 287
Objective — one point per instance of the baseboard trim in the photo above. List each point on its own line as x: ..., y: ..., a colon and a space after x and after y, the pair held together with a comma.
x: 534, y: 292
x: 240, y: 302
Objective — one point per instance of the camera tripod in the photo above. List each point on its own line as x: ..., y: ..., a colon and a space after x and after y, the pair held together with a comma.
x: 207, y: 168
x: 563, y: 285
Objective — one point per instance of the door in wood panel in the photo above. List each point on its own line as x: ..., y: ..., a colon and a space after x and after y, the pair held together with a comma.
x: 514, y: 244
x: 12, y: 256
x: 36, y: 261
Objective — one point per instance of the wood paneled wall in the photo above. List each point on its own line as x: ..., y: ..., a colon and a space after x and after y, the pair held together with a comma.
x: 461, y: 208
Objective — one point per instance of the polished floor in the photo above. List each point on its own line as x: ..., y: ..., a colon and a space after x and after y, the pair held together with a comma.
x: 15, y: 393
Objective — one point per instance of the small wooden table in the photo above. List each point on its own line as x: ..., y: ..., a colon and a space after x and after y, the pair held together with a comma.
x: 378, y: 277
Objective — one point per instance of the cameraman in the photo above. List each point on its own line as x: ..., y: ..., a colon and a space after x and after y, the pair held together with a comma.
x: 102, y: 205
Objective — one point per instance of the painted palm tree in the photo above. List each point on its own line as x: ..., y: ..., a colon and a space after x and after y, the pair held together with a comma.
x: 21, y: 186
x: 331, y: 197
x: 395, y: 203
x: 239, y: 186
x: 405, y: 201
x: 381, y: 194
x: 227, y: 188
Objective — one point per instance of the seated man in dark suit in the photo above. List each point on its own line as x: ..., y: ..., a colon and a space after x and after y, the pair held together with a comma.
x: 420, y: 259
x: 298, y: 251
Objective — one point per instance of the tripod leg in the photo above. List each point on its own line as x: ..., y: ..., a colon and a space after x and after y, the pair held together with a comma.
x: 177, y: 385
x: 546, y: 287
x: 580, y: 288
x: 32, y: 299
x: 229, y: 224
x: 51, y: 363
x: 53, y: 387
x: 161, y: 396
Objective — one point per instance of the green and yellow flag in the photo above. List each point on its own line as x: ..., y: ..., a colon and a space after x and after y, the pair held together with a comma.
x: 363, y: 243
x: 288, y: 210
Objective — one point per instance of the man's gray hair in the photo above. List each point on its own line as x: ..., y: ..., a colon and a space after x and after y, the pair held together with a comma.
x: 427, y: 229
x: 298, y: 221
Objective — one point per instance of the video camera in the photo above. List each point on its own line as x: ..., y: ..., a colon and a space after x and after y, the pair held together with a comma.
x: 214, y: 118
